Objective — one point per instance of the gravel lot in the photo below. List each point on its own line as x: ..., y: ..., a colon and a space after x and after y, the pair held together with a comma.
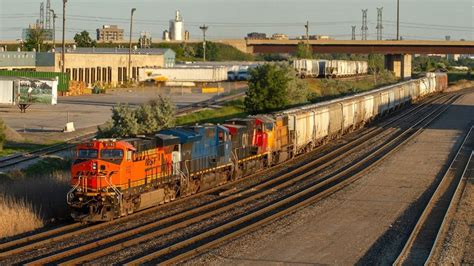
x: 368, y: 221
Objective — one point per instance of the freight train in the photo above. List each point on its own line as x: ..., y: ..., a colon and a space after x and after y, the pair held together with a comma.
x: 112, y: 178
x: 314, y: 68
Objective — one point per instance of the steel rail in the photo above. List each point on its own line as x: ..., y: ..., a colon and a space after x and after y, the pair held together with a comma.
x: 85, y: 230
x: 451, y: 211
x: 330, y: 156
x: 301, y: 198
x: 433, y: 204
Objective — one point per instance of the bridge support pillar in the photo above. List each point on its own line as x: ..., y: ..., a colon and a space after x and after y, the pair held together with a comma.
x: 400, y: 64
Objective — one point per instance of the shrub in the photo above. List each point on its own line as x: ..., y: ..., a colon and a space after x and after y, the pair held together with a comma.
x: 147, y: 118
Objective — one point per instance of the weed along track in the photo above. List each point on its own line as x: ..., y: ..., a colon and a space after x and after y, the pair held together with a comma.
x: 187, y: 226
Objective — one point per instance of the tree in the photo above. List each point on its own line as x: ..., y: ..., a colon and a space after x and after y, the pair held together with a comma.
x: 146, y: 119
x: 273, y: 87
x: 298, y: 89
x: 84, y: 40
x: 35, y: 39
x: 213, y: 52
x: 303, y: 51
x: 376, y: 64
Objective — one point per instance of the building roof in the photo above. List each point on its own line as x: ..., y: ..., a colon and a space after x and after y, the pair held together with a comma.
x: 94, y: 50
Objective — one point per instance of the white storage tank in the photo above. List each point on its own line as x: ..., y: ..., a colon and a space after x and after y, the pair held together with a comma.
x: 177, y: 28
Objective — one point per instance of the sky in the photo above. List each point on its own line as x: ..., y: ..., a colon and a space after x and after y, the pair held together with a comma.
x: 420, y: 19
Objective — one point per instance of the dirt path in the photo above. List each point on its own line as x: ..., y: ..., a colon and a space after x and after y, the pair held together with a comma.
x: 365, y: 223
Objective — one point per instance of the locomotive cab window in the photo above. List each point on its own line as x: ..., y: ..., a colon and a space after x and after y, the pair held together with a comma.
x: 87, y: 154
x: 111, y: 154
x: 222, y: 136
x: 269, y: 126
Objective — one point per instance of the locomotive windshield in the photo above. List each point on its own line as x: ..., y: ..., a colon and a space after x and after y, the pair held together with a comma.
x: 111, y: 154
x: 87, y: 154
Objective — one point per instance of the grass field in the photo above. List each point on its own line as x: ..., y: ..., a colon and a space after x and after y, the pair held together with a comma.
x: 323, y: 89
x: 34, y: 197
x: 230, y: 110
x: 12, y: 148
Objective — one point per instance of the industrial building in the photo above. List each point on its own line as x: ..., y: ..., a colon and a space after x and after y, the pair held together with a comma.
x: 256, y: 36
x: 105, y: 65
x: 280, y: 36
x: 110, y: 33
x: 176, y: 30
x: 10, y: 60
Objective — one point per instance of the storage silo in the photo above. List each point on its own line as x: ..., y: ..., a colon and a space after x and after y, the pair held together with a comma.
x: 166, y: 36
x: 177, y: 28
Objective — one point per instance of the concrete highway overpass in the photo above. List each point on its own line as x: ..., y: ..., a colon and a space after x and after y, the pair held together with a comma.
x: 398, y: 54
x: 364, y: 47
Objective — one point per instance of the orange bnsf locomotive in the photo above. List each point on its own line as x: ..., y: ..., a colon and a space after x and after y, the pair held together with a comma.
x: 112, y: 178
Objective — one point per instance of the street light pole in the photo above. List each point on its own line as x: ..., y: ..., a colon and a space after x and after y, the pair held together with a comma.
x: 130, y: 46
x: 307, y: 37
x: 398, y: 20
x: 204, y: 29
x: 64, y: 35
x: 54, y: 27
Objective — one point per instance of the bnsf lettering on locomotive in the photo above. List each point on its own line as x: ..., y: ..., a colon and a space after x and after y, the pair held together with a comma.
x: 149, y: 162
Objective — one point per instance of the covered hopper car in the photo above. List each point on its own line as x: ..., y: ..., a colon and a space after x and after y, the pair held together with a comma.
x: 112, y: 178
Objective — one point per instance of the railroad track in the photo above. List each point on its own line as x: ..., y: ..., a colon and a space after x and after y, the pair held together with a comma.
x: 425, y: 237
x: 10, y: 161
x: 205, y: 104
x: 330, y: 182
x: 286, y: 205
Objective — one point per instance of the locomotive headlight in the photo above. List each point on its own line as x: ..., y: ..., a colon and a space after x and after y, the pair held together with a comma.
x: 94, y: 166
x: 104, y: 189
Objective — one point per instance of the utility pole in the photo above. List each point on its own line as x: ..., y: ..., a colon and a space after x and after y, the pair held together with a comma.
x: 307, y: 37
x: 63, y: 61
x: 379, y: 23
x: 364, y: 24
x: 353, y: 33
x: 204, y: 29
x: 54, y: 27
x: 398, y: 20
x: 130, y: 45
